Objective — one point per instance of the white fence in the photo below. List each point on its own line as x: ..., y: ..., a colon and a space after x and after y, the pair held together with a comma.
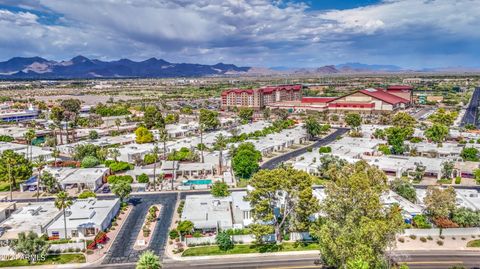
x: 245, y: 239
x: 66, y: 246
x: 446, y: 232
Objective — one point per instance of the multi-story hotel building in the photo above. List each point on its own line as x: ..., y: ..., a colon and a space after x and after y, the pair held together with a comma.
x: 261, y: 97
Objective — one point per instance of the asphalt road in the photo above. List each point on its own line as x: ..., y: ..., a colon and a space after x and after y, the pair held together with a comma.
x: 470, y: 116
x: 415, y: 260
x: 122, y: 250
x: 274, y: 162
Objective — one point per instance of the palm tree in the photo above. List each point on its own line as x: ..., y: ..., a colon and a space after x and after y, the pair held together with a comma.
x: 62, y: 202
x: 220, y: 144
x: 163, y: 137
x: 118, y: 122
x: 39, y: 163
x: 201, y: 140
x: 29, y: 136
x: 114, y: 153
x: 155, y: 152
x: 148, y: 260
x: 55, y: 155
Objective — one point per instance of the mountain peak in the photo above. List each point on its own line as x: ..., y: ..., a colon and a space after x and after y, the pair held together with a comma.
x: 80, y: 59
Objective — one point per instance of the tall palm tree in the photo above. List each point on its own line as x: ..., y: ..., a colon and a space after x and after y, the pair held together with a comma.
x: 29, y: 136
x: 55, y: 155
x: 201, y: 141
x: 155, y: 153
x: 148, y: 260
x: 118, y: 122
x: 40, y: 163
x: 220, y: 144
x: 62, y: 202
x: 163, y: 137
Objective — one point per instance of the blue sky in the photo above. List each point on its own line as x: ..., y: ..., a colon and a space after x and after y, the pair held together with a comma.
x: 263, y: 33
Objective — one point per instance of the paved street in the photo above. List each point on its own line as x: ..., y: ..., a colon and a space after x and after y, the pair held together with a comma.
x: 274, y: 162
x: 122, y: 250
x: 470, y: 116
x: 414, y: 259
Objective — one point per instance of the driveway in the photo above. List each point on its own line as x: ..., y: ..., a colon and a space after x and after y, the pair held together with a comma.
x: 122, y: 250
x: 274, y: 162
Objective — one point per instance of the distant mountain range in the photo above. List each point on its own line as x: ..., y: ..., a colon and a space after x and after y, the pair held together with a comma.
x: 82, y: 67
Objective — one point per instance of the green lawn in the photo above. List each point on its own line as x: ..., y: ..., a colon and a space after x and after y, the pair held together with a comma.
x: 244, y: 249
x: 474, y: 244
x: 444, y: 181
x: 52, y: 259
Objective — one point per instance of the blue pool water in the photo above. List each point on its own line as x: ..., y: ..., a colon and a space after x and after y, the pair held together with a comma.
x: 198, y: 182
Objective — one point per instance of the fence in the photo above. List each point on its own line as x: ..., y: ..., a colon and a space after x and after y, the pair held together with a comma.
x: 244, y: 239
x: 66, y: 246
x: 446, y: 231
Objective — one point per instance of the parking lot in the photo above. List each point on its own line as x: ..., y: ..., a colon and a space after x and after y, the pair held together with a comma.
x: 122, y: 250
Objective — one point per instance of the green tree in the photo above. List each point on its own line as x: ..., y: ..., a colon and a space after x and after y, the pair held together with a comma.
x: 220, y: 144
x: 209, y: 119
x: 245, y: 114
x: 404, y: 188
x: 330, y: 165
x: 89, y: 162
x: 245, y: 160
x: 293, y: 188
x: 83, y: 150
x: 114, y: 153
x: 466, y: 217
x: 356, y: 224
x: 31, y: 246
x: 56, y: 115
x: 447, y: 169
x: 87, y: 194
x: 220, y: 189
x: 312, y: 126
x: 443, y: 117
x: 469, y: 154
x: 224, y: 241
x: 436, y: 133
x: 14, y: 167
x: 62, y: 202
x: 354, y: 120
x: 122, y: 189
x: 185, y: 227
x: 396, y: 137
x: 266, y: 113
x: 152, y: 117
x: 403, y: 120
x: 49, y: 182
x: 148, y: 260
x: 143, y: 178
x: 143, y: 135
x: 440, y: 202
x: 163, y: 137
x: 92, y: 135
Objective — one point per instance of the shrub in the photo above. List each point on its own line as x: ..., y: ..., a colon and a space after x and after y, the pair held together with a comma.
x: 173, y: 234
x: 458, y: 180
x: 429, y: 237
x: 224, y: 241
x: 120, y: 166
x: 143, y: 178
x: 423, y: 239
x: 149, y: 158
x: 89, y: 162
x: 385, y: 149
x: 413, y: 237
x: 87, y: 194
x: 442, y: 222
x: 114, y: 179
x: 401, y: 240
x: 180, y: 207
x: 325, y: 149
x: 309, y: 149
x: 415, y: 139
x: 463, y: 238
x: 442, y: 237
x: 420, y: 221
x: 440, y: 242
x: 197, y: 234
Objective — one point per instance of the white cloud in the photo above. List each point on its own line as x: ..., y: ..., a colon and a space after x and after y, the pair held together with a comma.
x: 248, y: 32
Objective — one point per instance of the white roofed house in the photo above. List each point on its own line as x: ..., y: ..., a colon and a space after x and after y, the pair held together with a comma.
x: 85, y: 218
x: 34, y: 217
x: 208, y: 213
x: 82, y: 178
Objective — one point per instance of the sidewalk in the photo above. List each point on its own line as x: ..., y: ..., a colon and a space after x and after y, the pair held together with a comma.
x: 99, y: 254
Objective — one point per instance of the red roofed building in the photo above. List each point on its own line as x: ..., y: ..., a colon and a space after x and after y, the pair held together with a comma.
x: 259, y: 98
x: 403, y: 91
x: 363, y: 101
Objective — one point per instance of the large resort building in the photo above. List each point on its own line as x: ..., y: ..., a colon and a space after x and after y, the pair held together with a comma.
x: 261, y: 97
x: 372, y: 100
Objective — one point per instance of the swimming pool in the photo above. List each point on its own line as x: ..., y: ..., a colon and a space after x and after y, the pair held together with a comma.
x: 197, y: 182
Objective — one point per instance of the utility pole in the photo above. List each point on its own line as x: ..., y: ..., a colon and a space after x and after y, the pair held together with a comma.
x: 173, y: 167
